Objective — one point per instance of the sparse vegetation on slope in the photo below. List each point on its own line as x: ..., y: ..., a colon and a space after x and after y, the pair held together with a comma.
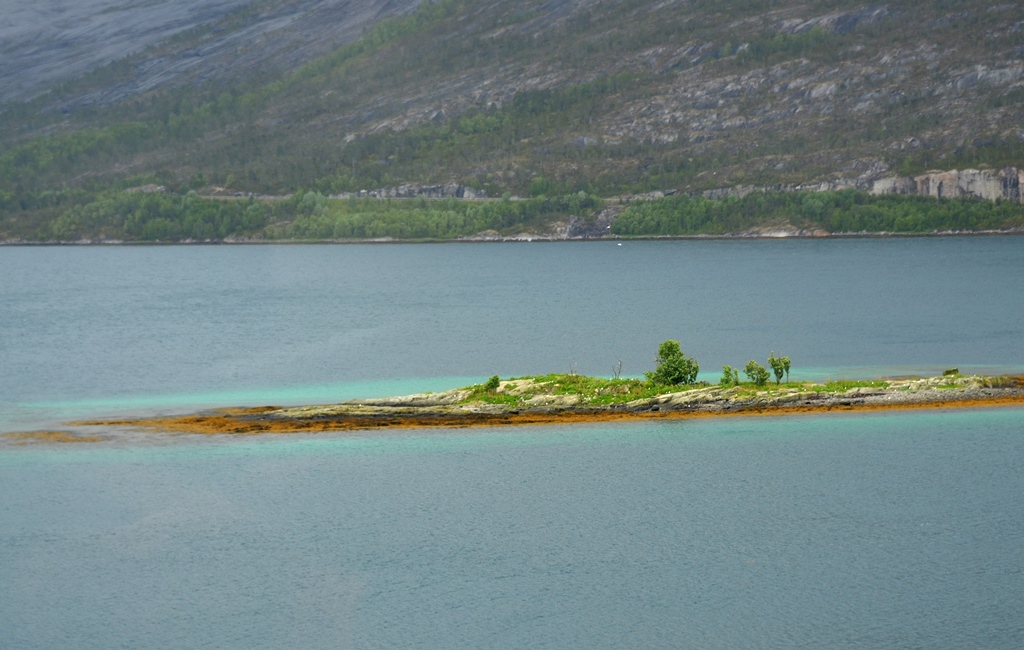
x: 526, y: 97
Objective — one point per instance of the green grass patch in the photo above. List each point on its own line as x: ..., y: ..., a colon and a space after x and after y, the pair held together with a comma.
x: 480, y: 393
x: 598, y: 391
x: 592, y: 391
x: 842, y: 385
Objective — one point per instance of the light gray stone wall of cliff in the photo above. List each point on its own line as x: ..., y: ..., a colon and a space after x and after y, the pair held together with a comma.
x: 986, y: 184
x: 444, y: 191
x: 983, y: 184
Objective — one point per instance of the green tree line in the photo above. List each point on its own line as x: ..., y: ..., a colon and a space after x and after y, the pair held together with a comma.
x: 154, y: 216
x: 73, y: 215
x: 837, y: 212
x: 322, y: 218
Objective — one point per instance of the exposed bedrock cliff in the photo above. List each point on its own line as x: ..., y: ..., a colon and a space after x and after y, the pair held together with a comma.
x: 983, y: 184
x: 986, y: 184
x: 412, y: 191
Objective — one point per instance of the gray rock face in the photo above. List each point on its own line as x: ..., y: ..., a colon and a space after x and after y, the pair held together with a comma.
x: 838, y: 22
x: 982, y: 184
x: 445, y: 191
x: 445, y: 398
x: 989, y: 185
x: 600, y: 226
x: 46, y: 43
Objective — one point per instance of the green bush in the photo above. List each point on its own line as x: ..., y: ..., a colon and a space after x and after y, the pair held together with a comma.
x: 779, y: 366
x: 674, y: 367
x: 756, y: 373
x: 730, y: 377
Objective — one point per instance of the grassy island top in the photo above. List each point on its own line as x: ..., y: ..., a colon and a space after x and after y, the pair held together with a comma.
x: 568, y: 390
x: 675, y: 372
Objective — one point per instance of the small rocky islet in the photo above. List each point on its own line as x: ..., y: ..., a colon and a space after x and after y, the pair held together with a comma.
x: 567, y: 399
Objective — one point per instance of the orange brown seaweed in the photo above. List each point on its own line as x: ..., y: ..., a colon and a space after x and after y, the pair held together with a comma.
x: 29, y: 437
x: 251, y: 421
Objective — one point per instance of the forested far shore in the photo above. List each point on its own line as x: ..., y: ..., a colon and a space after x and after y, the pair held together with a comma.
x: 130, y: 215
x: 845, y: 211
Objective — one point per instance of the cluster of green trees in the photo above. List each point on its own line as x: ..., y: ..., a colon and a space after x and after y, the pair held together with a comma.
x: 72, y: 215
x: 756, y: 373
x: 323, y: 218
x: 145, y: 216
x: 675, y: 368
x: 46, y: 158
x: 842, y: 211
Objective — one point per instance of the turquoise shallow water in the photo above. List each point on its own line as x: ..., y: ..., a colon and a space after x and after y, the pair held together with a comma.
x: 54, y: 413
x: 902, y: 530
x: 897, y: 530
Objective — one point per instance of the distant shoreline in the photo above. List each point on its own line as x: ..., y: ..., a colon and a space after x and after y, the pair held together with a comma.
x: 524, y: 239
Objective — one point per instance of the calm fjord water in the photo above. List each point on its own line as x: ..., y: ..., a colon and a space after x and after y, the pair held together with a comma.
x: 890, y: 531
x: 897, y: 530
x: 167, y: 326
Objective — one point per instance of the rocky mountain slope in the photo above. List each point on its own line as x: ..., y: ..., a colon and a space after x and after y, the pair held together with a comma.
x: 46, y: 44
x: 535, y: 97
